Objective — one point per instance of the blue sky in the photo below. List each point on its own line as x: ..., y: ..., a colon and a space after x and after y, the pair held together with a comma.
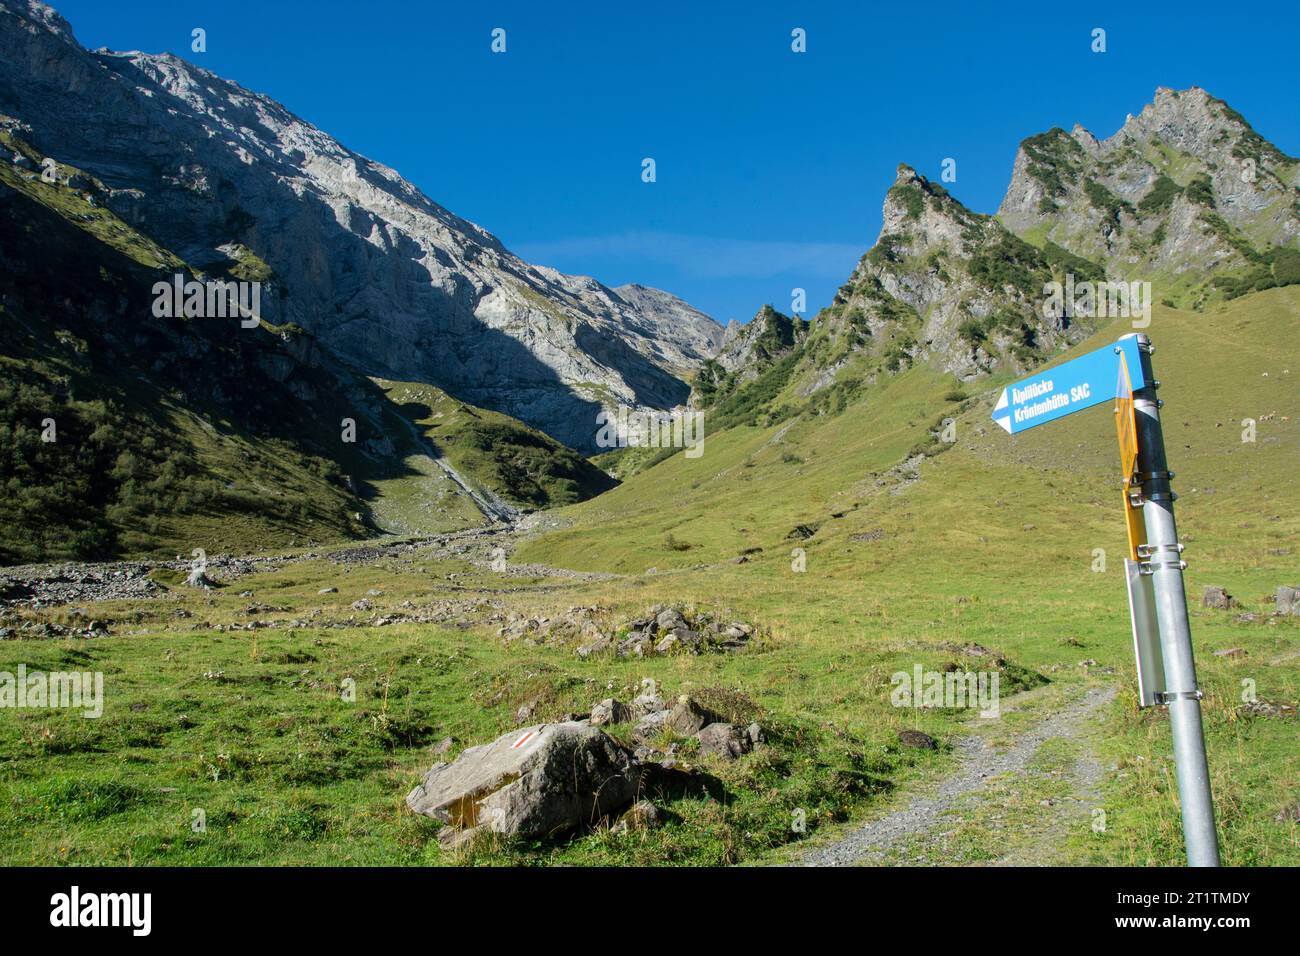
x: 771, y: 166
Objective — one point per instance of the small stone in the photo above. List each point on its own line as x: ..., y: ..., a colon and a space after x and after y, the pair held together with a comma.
x: 724, y: 740
x: 917, y: 740
x: 1217, y: 597
x: 647, y: 703
x: 525, y: 711
x: 603, y: 642
x: 670, y: 620
x: 328, y: 591
x: 642, y: 815
x: 688, y: 718
x: 1231, y: 652
x: 650, y: 726
x: 610, y: 711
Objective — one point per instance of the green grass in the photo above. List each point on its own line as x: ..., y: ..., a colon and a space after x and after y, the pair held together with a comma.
x: 993, y: 545
x: 496, y: 452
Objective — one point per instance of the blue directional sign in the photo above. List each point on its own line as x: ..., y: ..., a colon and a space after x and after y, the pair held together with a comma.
x: 1086, y: 381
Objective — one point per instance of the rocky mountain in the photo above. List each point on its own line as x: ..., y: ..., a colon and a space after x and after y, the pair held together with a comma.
x: 945, y: 285
x: 1185, y: 195
x: 679, y: 334
x: 123, y: 432
x: 746, y: 351
x: 383, y: 276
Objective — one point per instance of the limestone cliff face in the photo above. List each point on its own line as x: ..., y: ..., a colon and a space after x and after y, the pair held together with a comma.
x: 950, y: 286
x: 383, y: 276
x: 1184, y: 191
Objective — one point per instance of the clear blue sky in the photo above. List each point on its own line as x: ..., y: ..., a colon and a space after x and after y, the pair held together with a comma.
x: 771, y: 165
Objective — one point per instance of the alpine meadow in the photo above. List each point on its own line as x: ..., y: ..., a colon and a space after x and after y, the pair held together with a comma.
x: 373, y: 543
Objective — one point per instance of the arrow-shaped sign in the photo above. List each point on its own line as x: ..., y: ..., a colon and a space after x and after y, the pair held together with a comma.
x: 1078, y: 384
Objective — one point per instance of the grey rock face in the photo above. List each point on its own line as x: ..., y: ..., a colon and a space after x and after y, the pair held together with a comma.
x: 384, y: 277
x: 941, y: 269
x: 1168, y: 198
x: 682, y: 335
x: 534, y: 781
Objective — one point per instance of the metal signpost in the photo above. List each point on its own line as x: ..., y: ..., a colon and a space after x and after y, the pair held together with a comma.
x: 1162, y: 639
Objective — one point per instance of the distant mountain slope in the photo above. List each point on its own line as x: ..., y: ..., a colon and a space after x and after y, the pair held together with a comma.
x: 682, y: 335
x: 125, y: 433
x: 1185, y: 195
x: 382, y: 275
x: 875, y: 489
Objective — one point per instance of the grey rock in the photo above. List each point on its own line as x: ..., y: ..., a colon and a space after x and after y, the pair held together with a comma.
x: 525, y: 711
x: 537, y: 781
x: 688, y: 717
x: 650, y: 726
x: 1217, y: 597
x: 670, y: 620
x: 724, y: 740
x: 610, y: 711
x: 1288, y: 599
x: 642, y: 815
x: 648, y: 702
x: 602, y: 643
x: 667, y: 645
x: 917, y: 740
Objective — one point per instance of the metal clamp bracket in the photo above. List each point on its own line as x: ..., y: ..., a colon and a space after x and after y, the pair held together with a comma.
x: 1147, y: 550
x: 1161, y: 496
x: 1151, y: 567
x: 1165, y: 696
x: 1145, y: 476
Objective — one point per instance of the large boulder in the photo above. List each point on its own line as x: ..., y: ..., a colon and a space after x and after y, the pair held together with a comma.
x: 535, y: 781
x: 1288, y: 599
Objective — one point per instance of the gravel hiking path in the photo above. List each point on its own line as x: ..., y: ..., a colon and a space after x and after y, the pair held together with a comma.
x: 966, y: 792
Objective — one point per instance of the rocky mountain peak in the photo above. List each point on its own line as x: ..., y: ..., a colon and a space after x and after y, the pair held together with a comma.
x: 42, y: 15
x: 383, y: 276
x: 1185, y: 195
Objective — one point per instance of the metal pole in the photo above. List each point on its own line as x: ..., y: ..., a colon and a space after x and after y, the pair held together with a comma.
x: 1164, y: 562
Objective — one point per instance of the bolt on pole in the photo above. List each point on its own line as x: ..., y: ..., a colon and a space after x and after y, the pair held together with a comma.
x: 1164, y: 564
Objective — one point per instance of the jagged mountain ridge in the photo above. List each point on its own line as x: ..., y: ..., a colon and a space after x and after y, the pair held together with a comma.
x: 1185, y: 195
x: 1166, y: 200
x: 381, y: 274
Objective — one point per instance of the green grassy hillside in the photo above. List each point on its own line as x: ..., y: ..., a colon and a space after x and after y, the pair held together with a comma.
x: 172, y: 434
x: 991, y: 543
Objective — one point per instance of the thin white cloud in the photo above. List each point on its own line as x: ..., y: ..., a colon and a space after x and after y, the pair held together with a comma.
x: 698, y: 257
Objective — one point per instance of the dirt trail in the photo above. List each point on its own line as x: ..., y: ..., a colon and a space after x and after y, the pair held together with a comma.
x: 967, y: 795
